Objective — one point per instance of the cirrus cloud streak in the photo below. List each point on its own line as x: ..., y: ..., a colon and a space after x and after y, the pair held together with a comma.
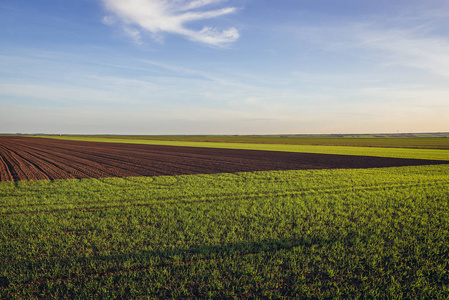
x: 170, y: 16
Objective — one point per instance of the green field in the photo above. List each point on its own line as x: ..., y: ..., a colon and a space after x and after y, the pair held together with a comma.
x: 373, y: 233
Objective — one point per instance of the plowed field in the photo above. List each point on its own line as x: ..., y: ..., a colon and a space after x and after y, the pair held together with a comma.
x: 26, y: 158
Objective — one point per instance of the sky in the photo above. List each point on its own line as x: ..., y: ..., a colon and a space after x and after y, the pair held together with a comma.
x: 159, y: 67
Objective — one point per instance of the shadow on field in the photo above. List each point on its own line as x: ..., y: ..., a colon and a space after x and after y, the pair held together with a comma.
x: 115, y: 269
x: 147, y: 259
x: 216, y: 251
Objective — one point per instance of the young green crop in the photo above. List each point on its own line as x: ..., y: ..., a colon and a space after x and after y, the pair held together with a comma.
x: 374, y: 233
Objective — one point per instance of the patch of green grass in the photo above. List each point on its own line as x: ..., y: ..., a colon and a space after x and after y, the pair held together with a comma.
x: 375, y: 233
x: 435, y: 154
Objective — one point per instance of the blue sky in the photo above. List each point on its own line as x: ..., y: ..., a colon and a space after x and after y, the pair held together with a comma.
x: 224, y: 67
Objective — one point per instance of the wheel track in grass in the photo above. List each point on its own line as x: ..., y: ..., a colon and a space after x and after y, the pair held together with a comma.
x: 28, y: 158
x: 213, y: 199
x: 293, y: 192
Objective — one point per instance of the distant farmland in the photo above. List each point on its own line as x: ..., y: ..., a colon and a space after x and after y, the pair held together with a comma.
x: 261, y: 224
x: 423, y: 140
x: 35, y: 158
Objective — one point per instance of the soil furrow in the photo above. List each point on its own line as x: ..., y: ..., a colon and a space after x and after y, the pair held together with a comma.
x: 19, y: 167
x: 5, y: 175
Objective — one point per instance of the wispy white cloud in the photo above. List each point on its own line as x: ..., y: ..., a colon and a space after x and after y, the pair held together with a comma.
x: 413, y: 39
x: 407, y: 48
x: 134, y: 34
x: 171, y: 16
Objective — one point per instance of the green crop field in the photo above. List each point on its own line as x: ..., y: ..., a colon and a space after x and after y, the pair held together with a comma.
x: 362, y: 233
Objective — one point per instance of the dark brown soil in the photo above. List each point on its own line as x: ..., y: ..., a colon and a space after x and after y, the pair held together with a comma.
x: 26, y: 158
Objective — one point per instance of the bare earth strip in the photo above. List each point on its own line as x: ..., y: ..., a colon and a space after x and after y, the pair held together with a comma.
x: 25, y: 158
